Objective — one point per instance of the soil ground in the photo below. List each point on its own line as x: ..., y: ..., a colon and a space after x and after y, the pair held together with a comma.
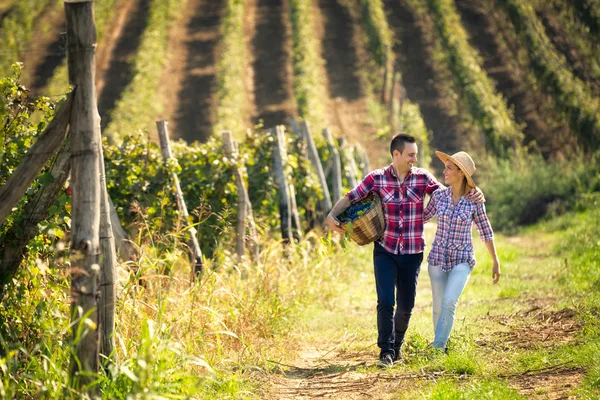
x: 418, y: 77
x: 45, y: 52
x: 272, y: 64
x: 348, y: 114
x: 189, y: 79
x: 119, y: 71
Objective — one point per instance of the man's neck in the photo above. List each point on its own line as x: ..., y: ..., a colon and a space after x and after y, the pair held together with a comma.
x: 401, y: 174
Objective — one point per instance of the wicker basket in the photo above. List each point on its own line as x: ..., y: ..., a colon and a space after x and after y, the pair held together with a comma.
x: 370, y: 226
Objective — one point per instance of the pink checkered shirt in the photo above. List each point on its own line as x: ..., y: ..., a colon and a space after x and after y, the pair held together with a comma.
x: 402, y: 205
x: 453, y: 244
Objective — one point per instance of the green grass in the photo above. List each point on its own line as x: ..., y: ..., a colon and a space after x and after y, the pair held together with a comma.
x: 232, y: 101
x: 308, y: 65
x: 58, y: 84
x: 139, y: 105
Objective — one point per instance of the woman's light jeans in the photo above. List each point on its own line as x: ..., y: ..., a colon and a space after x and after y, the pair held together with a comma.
x: 446, y: 288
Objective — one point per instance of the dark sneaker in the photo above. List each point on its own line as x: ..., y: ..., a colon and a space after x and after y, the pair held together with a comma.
x: 386, y: 361
x: 397, y: 355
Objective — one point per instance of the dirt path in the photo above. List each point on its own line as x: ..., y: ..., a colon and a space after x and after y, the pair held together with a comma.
x: 118, y: 72
x: 189, y: 77
x: 272, y: 65
x: 414, y: 59
x: 45, y: 52
x: 530, y: 106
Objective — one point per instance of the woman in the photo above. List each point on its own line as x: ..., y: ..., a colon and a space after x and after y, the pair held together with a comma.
x: 451, y: 258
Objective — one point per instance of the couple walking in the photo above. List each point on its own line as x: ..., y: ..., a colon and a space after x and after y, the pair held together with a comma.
x: 398, y: 254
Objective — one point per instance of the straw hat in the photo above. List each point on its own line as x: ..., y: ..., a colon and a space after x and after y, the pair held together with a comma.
x: 463, y: 161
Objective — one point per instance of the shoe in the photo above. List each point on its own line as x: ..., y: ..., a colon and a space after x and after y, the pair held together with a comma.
x: 386, y: 361
x: 397, y: 355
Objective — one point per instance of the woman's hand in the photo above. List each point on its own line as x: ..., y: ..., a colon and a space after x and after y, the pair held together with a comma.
x: 496, y: 272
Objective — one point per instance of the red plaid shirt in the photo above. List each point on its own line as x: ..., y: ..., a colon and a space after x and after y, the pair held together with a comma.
x: 402, y: 205
x: 453, y: 244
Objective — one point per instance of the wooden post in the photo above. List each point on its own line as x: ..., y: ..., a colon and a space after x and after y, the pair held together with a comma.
x: 294, y: 126
x: 365, y: 168
x: 421, y: 156
x: 108, y: 268
x: 297, y: 228
x: 392, y: 101
x: 165, y: 149
x: 125, y: 249
x: 36, y: 158
x: 244, y: 205
x: 13, y: 245
x: 351, y: 169
x: 385, y: 78
x: 85, y: 178
x: 313, y: 155
x: 282, y: 184
x: 336, y: 179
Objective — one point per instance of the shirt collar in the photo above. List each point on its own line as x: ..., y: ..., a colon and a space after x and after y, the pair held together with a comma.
x: 392, y: 172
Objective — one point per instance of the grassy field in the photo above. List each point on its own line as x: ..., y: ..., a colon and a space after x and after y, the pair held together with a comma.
x: 534, y: 335
x: 300, y: 324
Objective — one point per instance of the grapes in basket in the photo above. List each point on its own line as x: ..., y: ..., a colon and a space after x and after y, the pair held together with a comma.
x: 356, y: 211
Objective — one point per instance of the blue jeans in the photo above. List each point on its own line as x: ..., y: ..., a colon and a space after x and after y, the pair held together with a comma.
x: 394, y: 273
x: 446, y: 288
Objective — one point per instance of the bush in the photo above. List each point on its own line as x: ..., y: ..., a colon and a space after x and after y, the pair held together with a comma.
x: 522, y: 189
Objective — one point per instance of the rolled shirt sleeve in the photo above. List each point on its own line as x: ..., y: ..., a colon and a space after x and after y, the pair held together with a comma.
x: 362, y: 189
x: 482, y: 223
x: 431, y: 208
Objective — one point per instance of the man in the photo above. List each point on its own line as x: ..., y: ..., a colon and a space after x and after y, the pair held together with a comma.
x: 398, y: 254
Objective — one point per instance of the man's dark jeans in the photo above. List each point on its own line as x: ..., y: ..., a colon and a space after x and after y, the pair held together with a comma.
x: 397, y: 273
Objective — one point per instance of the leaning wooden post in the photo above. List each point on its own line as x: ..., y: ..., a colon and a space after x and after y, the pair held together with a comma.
x: 108, y: 268
x: 313, y: 155
x: 282, y: 185
x: 244, y: 205
x: 385, y: 77
x: 294, y: 126
x: 336, y: 178
x: 85, y: 178
x: 392, y: 100
x: 165, y: 149
x: 13, y: 245
x: 365, y: 168
x: 48, y: 144
x: 351, y: 170
x: 297, y: 228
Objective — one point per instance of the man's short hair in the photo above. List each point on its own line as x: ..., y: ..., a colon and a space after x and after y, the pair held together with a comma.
x: 399, y: 141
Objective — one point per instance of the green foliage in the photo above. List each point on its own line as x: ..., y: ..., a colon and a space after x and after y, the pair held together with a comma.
x: 379, y: 37
x: 103, y: 12
x: 577, y: 40
x: 476, y: 90
x: 412, y: 123
x: 523, y: 188
x: 379, y: 43
x: 138, y: 183
x: 232, y: 102
x: 139, y: 105
x: 589, y: 13
x: 22, y: 120
x: 309, y: 87
x: 16, y: 30
x: 572, y: 97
